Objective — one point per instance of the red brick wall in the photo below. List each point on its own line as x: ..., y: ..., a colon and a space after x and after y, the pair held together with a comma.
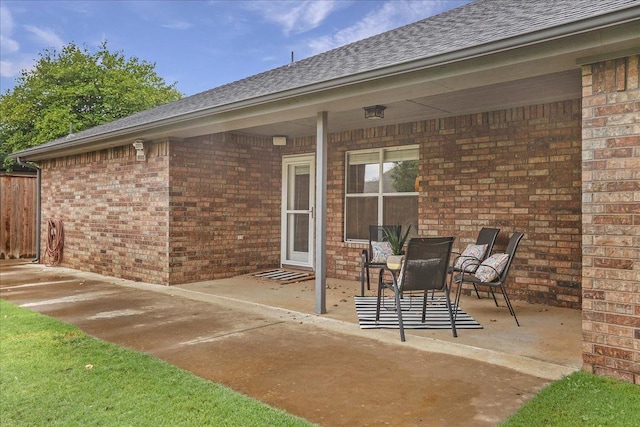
x: 611, y: 218
x: 517, y: 169
x: 225, y: 207
x: 114, y: 211
x: 199, y: 209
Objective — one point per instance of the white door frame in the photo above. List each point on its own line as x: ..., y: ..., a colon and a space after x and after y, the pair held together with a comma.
x: 288, y: 257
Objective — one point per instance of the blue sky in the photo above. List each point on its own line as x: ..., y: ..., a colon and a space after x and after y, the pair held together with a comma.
x: 199, y: 44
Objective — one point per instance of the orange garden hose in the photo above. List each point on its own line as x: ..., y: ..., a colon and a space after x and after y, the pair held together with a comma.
x: 55, y: 242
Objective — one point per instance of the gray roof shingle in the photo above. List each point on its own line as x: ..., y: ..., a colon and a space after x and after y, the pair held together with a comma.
x: 473, y: 25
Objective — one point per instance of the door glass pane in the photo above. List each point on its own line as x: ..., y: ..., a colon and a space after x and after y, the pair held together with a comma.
x: 298, y: 216
x: 361, y: 212
x: 301, y: 232
x: 299, y: 178
x: 401, y: 210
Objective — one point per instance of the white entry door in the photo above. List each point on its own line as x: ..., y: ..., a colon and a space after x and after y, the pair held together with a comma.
x: 298, y: 197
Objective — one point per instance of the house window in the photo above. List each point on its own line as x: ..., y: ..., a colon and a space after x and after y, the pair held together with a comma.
x: 380, y: 189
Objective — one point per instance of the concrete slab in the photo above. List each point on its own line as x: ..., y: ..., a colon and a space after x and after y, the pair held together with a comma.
x: 322, y: 368
x: 547, y: 334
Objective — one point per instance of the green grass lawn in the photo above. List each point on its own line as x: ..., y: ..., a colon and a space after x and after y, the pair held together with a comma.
x: 581, y: 399
x: 52, y: 374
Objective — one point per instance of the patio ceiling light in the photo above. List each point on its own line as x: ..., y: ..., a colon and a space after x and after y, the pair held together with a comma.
x: 374, y: 112
x: 279, y: 140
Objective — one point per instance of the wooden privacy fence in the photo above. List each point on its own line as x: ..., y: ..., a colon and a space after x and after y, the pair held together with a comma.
x: 18, y: 215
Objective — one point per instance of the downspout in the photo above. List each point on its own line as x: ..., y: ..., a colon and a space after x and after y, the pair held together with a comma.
x: 38, y: 206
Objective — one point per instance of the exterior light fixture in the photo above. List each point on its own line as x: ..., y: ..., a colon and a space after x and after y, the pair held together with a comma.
x: 279, y: 140
x: 138, y: 144
x: 374, y: 112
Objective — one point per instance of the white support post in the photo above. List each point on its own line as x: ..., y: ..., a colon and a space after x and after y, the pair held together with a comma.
x: 321, y: 213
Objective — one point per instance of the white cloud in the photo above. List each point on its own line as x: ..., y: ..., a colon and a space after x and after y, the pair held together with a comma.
x: 14, y: 67
x: 178, y: 25
x: 7, y: 43
x: 45, y: 36
x: 6, y: 20
x: 166, y: 14
x: 295, y: 16
x: 9, y: 67
x: 6, y: 69
x: 392, y: 14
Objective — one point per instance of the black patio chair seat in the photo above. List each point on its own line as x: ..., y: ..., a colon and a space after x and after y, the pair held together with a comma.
x: 498, y: 282
x: 425, y: 269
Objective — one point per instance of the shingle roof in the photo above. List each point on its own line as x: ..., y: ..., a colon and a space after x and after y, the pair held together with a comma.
x: 473, y: 25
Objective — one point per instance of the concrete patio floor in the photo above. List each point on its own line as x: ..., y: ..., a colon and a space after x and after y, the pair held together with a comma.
x: 547, y: 334
x: 262, y: 338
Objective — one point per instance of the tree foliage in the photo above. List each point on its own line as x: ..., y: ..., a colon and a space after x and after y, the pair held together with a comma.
x: 76, y: 89
x: 404, y: 175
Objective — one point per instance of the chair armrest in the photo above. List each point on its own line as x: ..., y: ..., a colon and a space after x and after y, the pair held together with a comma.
x: 381, y: 282
x: 364, y: 256
x: 465, y: 263
x: 477, y: 281
x: 471, y: 261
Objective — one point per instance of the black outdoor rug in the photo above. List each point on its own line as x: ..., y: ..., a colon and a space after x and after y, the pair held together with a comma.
x: 284, y: 276
x: 437, y: 314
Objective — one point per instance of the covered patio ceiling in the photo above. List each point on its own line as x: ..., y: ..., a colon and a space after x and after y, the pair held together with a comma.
x: 533, y: 90
x: 528, y: 75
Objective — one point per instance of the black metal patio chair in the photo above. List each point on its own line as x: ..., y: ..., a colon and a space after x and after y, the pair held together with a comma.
x: 474, y: 254
x: 374, y: 256
x: 425, y: 269
x: 492, y: 273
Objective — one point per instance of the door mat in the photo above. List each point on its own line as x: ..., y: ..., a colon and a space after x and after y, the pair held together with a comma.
x: 437, y: 314
x: 285, y: 276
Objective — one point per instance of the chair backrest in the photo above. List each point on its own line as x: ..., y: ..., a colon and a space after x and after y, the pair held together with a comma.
x: 426, y: 264
x: 514, y: 241
x: 487, y: 236
x: 376, y: 233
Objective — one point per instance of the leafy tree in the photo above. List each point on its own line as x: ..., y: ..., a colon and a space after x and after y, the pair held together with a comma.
x: 76, y: 89
x: 403, y: 175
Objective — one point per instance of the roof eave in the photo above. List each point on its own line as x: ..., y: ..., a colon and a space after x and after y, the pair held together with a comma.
x: 117, y: 137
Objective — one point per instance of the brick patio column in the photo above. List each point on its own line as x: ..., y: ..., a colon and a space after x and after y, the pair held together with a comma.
x: 611, y: 218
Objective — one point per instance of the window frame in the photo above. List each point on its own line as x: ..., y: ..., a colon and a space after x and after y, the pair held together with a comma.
x: 380, y: 194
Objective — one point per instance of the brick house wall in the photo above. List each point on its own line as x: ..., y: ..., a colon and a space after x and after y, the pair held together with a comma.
x: 611, y: 218
x: 215, y: 199
x: 566, y: 174
x: 224, y: 207
x: 517, y: 169
x: 198, y: 209
x: 114, y: 211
